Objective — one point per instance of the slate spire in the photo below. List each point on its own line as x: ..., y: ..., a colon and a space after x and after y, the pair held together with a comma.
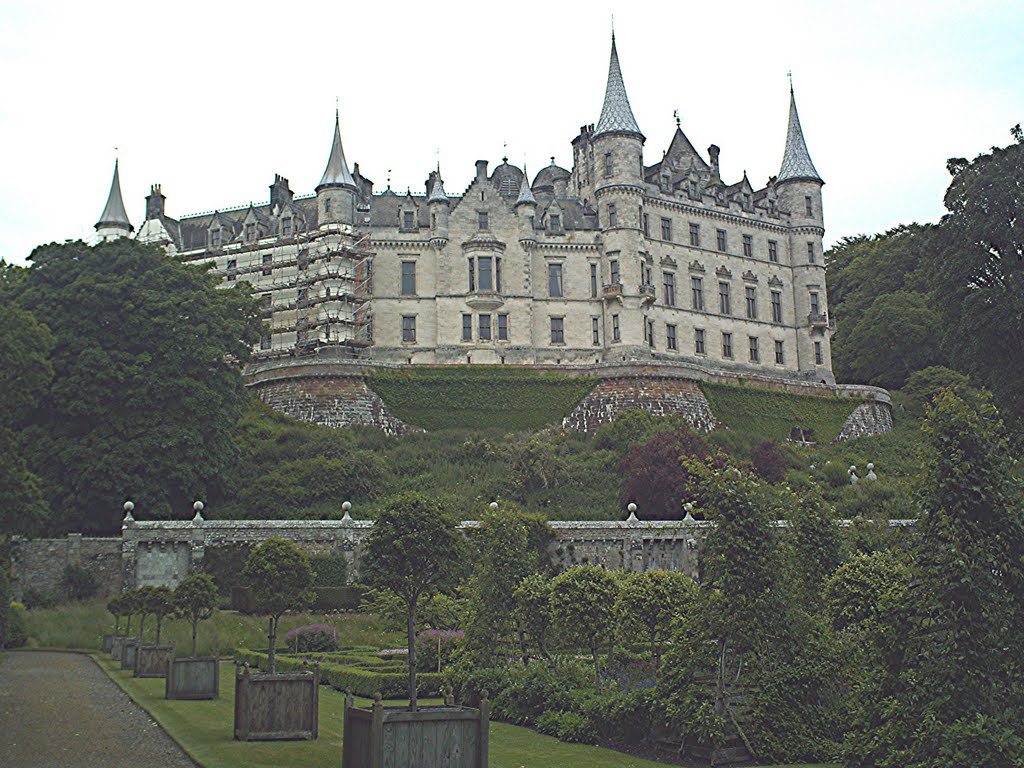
x: 525, y: 193
x: 437, y: 193
x: 114, y: 215
x: 616, y: 115
x: 796, y: 162
x: 337, y: 173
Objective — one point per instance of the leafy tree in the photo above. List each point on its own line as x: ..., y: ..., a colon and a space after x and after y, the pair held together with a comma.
x: 864, y: 590
x: 141, y: 603
x: 116, y: 608
x: 195, y: 600
x: 160, y: 603
x: 583, y: 606
x: 130, y: 607
x: 768, y: 461
x: 923, y: 386
x: 5, y: 604
x: 79, y: 582
x: 533, y: 611
x: 414, y: 549
x: 650, y: 600
x: 279, y: 577
x: 142, y: 401
x: 24, y: 510
x: 815, y: 547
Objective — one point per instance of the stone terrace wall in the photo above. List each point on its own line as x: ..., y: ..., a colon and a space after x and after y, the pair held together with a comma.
x: 661, y: 396
x: 869, y: 418
x: 40, y: 563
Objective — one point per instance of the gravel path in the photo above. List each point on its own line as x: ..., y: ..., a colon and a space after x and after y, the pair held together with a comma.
x: 60, y: 709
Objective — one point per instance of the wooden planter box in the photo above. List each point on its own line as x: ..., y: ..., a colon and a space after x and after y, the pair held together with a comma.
x: 282, y: 706
x: 152, y: 660
x: 108, y: 642
x: 193, y: 678
x: 116, y: 645
x: 129, y: 652
x: 455, y: 737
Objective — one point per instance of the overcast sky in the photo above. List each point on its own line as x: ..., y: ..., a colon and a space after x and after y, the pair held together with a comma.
x: 212, y: 99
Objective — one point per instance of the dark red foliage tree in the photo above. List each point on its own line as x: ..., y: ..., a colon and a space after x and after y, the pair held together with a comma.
x: 768, y: 461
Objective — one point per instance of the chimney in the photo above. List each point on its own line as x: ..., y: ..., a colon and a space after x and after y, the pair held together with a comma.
x: 280, y: 194
x: 713, y: 152
x: 154, y: 203
x: 481, y: 169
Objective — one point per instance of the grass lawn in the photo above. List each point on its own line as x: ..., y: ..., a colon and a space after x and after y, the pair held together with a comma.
x: 204, y: 729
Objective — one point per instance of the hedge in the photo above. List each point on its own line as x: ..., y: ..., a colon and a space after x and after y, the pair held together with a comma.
x: 325, y: 599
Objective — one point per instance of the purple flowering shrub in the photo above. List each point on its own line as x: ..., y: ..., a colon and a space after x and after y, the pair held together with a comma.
x: 312, y: 638
x: 434, y: 648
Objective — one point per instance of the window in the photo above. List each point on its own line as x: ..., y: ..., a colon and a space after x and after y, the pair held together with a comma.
x: 780, y: 353
x: 616, y: 333
x: 485, y: 278
x: 755, y: 354
x: 751, y: 294
x: 555, y: 281
x: 773, y: 250
x: 721, y: 242
x: 670, y: 337
x: 695, y: 235
x: 808, y: 205
x: 250, y: 232
x: 727, y: 345
x: 609, y: 166
x: 697, y: 289
x: 467, y: 327
x: 408, y: 328
x: 264, y: 342
x: 819, y: 358
x: 810, y: 253
x: 613, y: 218
x: 558, y: 330
x: 645, y: 270
x: 484, y: 326
x: 595, y: 330
x: 408, y: 278
x: 481, y: 220
x: 649, y: 331
x: 287, y: 226
x: 815, y: 306
x: 408, y: 220
x: 724, y: 299
x: 555, y: 221
x: 502, y: 327
x: 231, y: 267
x: 748, y: 245
x: 614, y: 268
x: 666, y: 229
x: 668, y: 280
x: 472, y: 276
x: 698, y: 341
x: 776, y: 306
x: 593, y: 281
x: 645, y: 222
x: 268, y: 263
x: 215, y: 238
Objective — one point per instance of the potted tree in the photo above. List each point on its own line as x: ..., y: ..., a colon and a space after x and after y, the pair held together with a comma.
x: 194, y: 677
x: 414, y: 550
x: 138, y: 599
x: 128, y: 604
x: 152, y: 660
x: 115, y: 606
x: 269, y: 705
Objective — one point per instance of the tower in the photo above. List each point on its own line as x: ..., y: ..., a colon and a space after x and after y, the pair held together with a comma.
x: 113, y: 222
x: 336, y: 192
x: 438, y: 204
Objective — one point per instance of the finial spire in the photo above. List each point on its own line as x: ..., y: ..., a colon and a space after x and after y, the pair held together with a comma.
x: 616, y: 114
x: 114, y: 215
x: 525, y: 193
x: 337, y: 173
x: 796, y: 162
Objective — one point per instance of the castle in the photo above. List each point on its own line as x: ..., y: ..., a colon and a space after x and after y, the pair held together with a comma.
x: 611, y: 261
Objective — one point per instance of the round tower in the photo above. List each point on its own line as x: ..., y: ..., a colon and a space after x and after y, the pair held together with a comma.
x: 526, y: 211
x: 336, y: 192
x: 438, y: 205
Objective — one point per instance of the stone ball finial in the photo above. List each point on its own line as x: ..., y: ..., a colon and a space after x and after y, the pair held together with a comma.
x: 129, y: 506
x: 346, y: 507
x: 870, y: 466
x: 493, y: 505
x: 198, y: 506
x: 631, y: 507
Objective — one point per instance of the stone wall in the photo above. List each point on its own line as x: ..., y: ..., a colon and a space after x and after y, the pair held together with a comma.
x: 39, y: 563
x: 872, y: 417
x: 661, y: 396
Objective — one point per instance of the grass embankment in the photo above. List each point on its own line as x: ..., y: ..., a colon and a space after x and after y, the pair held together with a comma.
x: 204, y: 730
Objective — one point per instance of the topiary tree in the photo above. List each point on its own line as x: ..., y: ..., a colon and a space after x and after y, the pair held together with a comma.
x: 116, y: 608
x: 533, y: 611
x: 650, y: 600
x: 413, y: 550
x: 195, y: 600
x: 160, y: 603
x: 279, y: 576
x: 583, y: 606
x: 130, y: 606
x: 141, y: 602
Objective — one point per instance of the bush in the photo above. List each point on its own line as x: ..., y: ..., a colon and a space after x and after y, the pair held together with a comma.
x: 37, y: 598
x: 468, y: 682
x: 79, y: 582
x: 17, y: 626
x: 435, y: 648
x: 329, y: 570
x: 567, y: 726
x: 535, y: 689
x: 5, y: 600
x: 315, y: 638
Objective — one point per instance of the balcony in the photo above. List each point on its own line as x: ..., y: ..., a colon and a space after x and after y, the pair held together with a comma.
x: 648, y: 293
x: 613, y: 291
x: 485, y: 300
x: 820, y: 321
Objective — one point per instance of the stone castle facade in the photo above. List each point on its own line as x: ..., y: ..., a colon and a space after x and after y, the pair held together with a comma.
x: 611, y: 261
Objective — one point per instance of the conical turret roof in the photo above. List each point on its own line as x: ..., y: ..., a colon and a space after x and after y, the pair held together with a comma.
x: 437, y: 193
x: 337, y: 173
x: 114, y: 214
x: 796, y: 163
x: 616, y: 114
x: 525, y: 193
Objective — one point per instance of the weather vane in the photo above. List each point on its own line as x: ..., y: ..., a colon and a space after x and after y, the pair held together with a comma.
x: 675, y: 114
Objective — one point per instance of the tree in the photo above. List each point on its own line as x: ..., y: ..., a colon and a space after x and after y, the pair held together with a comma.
x: 414, y: 550
x: 116, y: 608
x: 142, y: 400
x: 814, y: 545
x: 279, y: 576
x: 533, y: 611
x: 651, y: 600
x: 160, y: 603
x: 195, y: 600
x: 141, y: 603
x: 5, y: 604
x: 130, y: 606
x: 583, y: 606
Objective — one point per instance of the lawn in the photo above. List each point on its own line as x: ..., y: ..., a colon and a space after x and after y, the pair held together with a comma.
x: 204, y: 729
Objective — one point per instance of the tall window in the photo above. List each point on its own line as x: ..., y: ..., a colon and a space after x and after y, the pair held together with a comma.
x: 748, y: 245
x: 609, y: 166
x: 613, y: 266
x: 485, y: 276
x: 250, y: 232
x: 645, y: 270
x: 666, y: 229
x: 616, y: 332
x: 467, y: 327
x: 408, y: 220
x: 645, y: 222
x: 724, y: 299
x: 773, y: 250
x: 408, y: 328
x: 670, y: 337
x: 808, y: 205
x: 810, y: 253
x: 697, y: 291
x: 264, y: 342
x: 695, y: 235
x: 776, y: 306
x: 268, y: 263
x: 484, y: 327
x: 721, y: 241
x: 555, y: 281
x: 751, y: 294
x: 593, y: 281
x: 819, y: 358
x: 727, y: 345
x: 698, y: 341
x: 503, y: 327
x: 215, y: 238
x: 232, y: 266
x: 557, y: 330
x: 287, y: 226
x: 482, y: 220
x: 780, y: 353
x: 408, y: 278
x: 755, y: 354
x: 595, y: 330
x: 554, y: 221
x: 649, y: 331
x: 613, y: 218
x: 668, y: 280
x: 815, y: 306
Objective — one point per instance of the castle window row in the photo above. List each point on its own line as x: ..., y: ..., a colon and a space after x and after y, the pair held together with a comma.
x: 485, y: 329
x: 722, y: 239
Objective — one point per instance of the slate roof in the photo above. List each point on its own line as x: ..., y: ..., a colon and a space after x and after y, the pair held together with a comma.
x: 616, y: 115
x: 796, y: 162
x: 337, y: 172
x: 114, y: 214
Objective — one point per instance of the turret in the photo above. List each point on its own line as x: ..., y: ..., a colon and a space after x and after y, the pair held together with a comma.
x: 438, y: 205
x: 336, y: 192
x: 114, y: 223
x: 526, y: 210
x: 798, y: 182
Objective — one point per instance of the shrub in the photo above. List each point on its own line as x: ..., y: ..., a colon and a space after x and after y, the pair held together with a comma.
x: 769, y: 461
x: 468, y: 682
x: 5, y: 600
x: 535, y: 689
x: 315, y: 638
x: 17, y: 626
x: 567, y: 726
x: 79, y: 582
x: 37, y: 598
x: 329, y: 570
x: 435, y: 647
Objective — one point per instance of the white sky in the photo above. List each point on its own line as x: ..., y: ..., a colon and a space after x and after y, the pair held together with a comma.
x: 212, y: 99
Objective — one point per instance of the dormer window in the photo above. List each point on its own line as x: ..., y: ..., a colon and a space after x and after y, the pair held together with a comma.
x: 408, y: 219
x: 555, y: 221
x: 482, y: 220
x: 693, y: 189
x: 250, y: 232
x: 215, y: 238
x: 287, y: 226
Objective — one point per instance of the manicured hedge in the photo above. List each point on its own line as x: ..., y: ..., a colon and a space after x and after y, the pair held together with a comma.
x: 325, y: 599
